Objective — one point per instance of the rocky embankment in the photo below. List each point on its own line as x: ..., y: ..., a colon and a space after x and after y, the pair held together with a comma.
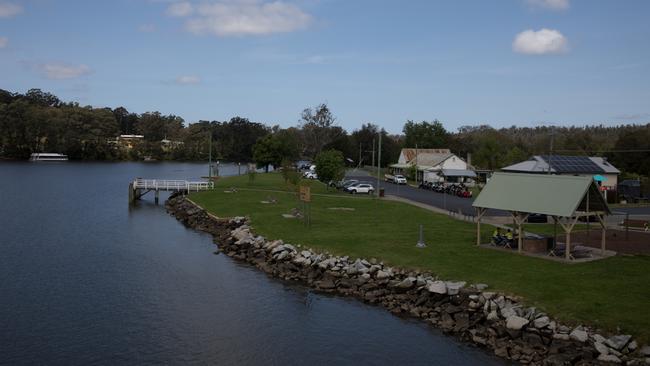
x: 470, y: 312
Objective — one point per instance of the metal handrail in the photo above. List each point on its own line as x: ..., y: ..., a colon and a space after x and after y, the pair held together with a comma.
x: 172, y: 185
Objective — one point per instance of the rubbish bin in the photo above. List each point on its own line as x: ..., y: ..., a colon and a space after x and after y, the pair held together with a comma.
x: 381, y: 192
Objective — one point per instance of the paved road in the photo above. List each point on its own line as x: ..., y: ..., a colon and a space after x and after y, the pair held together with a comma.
x: 440, y: 200
x: 449, y: 202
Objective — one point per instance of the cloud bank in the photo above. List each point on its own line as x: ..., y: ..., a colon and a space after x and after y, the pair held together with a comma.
x: 55, y: 71
x: 4, y: 41
x: 550, y: 4
x: 8, y: 10
x: 240, y: 17
x: 188, y: 80
x: 541, y: 42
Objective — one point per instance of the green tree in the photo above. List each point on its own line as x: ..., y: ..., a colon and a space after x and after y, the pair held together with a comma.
x: 330, y: 165
x: 274, y: 148
x: 425, y: 135
x: 317, y: 129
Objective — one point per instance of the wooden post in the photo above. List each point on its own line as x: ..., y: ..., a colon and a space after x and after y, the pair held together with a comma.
x: 479, y: 213
x: 603, y: 233
x: 131, y: 193
x: 567, y: 229
x: 157, y: 196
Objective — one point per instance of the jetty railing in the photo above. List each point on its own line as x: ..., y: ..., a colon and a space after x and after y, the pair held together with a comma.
x: 140, y: 187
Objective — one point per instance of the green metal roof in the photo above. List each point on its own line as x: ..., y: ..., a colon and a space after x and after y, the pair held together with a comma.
x: 556, y: 195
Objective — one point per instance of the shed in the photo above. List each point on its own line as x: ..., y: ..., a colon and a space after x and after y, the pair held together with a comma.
x: 564, y: 198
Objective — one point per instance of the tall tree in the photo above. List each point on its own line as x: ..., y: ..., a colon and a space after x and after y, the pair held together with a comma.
x: 425, y: 134
x: 317, y: 128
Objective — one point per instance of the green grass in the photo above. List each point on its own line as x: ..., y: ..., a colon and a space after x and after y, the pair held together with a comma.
x: 608, y: 293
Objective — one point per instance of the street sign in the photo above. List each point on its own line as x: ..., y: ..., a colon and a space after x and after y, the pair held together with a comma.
x: 305, y: 194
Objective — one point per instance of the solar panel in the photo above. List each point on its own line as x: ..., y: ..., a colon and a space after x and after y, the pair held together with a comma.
x: 573, y: 164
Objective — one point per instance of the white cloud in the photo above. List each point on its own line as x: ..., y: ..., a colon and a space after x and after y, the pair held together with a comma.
x: 63, y: 71
x: 4, y: 41
x: 181, y: 9
x: 242, y: 17
x: 188, y: 80
x: 541, y: 42
x: 7, y: 9
x: 147, y: 28
x: 550, y: 4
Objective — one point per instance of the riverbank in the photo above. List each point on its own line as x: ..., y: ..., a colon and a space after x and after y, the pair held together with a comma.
x: 486, y: 318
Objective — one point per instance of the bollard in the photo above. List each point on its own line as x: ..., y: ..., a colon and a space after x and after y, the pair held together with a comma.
x: 421, y: 243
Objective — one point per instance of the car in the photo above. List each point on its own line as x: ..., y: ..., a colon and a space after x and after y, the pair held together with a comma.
x: 361, y: 188
x: 399, y: 179
x: 348, y: 183
x: 311, y: 175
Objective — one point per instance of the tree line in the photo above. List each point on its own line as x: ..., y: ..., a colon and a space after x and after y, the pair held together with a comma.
x: 38, y: 121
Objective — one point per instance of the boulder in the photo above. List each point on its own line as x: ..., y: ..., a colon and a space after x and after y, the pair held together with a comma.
x: 306, y: 253
x: 480, y: 286
x: 601, y: 348
x: 437, y: 287
x: 579, y: 335
x: 508, y: 311
x: 608, y: 358
x: 492, y: 316
x: 515, y: 322
x: 645, y: 351
x: 618, y: 342
x: 406, y: 283
x: 453, y: 288
x: 541, y: 322
x: 488, y: 295
x: 383, y: 275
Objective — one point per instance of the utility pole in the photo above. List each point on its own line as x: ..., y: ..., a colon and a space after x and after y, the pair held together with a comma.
x: 379, y: 163
x: 210, y: 158
x: 359, y: 163
x: 373, y: 152
x: 416, y: 166
x: 550, y: 153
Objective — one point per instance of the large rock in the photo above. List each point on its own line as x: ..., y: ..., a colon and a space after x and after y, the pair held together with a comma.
x: 383, y: 275
x: 579, y: 335
x: 601, y: 348
x: 453, y: 288
x: 405, y: 283
x: 516, y: 322
x: 645, y: 351
x: 609, y: 358
x: 437, y: 287
x: 618, y: 342
x: 541, y: 322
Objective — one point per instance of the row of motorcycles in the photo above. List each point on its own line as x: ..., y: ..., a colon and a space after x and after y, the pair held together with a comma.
x: 459, y: 190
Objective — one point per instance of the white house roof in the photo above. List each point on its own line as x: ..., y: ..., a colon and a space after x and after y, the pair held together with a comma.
x: 605, y: 165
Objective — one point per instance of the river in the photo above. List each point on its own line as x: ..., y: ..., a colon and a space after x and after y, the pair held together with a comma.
x: 86, y: 280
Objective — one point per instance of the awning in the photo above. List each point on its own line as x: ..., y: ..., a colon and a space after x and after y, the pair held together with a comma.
x: 458, y: 173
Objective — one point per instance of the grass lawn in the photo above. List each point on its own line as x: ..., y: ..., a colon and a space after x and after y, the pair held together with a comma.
x: 609, y: 293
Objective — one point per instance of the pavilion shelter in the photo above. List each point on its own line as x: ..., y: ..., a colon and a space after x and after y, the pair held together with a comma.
x: 564, y: 198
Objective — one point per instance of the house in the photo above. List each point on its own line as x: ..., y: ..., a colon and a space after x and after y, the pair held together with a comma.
x: 169, y: 145
x: 127, y: 141
x: 433, y: 165
x: 597, y: 167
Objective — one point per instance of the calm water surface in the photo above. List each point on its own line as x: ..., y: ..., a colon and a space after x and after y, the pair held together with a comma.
x: 86, y: 280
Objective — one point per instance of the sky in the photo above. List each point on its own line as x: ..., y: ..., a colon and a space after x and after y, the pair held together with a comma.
x: 463, y: 62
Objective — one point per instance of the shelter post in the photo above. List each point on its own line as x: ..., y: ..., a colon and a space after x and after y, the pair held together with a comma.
x: 603, y: 233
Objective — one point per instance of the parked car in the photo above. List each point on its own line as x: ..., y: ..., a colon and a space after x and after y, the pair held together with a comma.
x: 537, y: 218
x: 397, y: 179
x: 311, y: 175
x: 347, y: 183
x: 361, y: 188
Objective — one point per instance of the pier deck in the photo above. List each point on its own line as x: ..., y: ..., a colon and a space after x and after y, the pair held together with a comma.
x: 140, y: 187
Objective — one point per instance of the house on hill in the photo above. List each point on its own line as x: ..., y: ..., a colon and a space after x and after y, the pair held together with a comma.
x: 603, y: 172
x: 433, y: 165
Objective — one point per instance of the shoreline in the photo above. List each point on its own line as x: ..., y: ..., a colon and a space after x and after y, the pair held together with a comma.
x: 472, y: 314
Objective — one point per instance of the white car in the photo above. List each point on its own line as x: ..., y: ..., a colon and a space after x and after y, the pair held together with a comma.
x: 311, y: 175
x: 399, y: 179
x: 361, y: 188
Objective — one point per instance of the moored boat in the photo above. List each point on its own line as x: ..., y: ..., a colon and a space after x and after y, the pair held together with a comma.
x: 48, y: 157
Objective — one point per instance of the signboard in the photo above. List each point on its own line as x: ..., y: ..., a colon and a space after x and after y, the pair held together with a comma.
x: 305, y: 194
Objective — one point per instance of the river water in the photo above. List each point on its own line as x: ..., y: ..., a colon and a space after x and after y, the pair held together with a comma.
x: 86, y: 280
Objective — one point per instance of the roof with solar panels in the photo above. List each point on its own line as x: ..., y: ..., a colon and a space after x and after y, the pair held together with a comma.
x: 561, y: 164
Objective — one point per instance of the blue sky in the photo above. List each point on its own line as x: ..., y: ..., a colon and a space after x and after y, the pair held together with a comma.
x: 501, y: 62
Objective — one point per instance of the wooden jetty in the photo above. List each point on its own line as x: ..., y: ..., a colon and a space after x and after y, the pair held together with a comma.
x: 140, y: 187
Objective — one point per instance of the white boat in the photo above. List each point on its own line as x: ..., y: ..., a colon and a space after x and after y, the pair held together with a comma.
x: 48, y: 157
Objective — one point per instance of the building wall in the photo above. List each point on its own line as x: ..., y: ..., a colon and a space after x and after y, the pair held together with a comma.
x: 454, y: 162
